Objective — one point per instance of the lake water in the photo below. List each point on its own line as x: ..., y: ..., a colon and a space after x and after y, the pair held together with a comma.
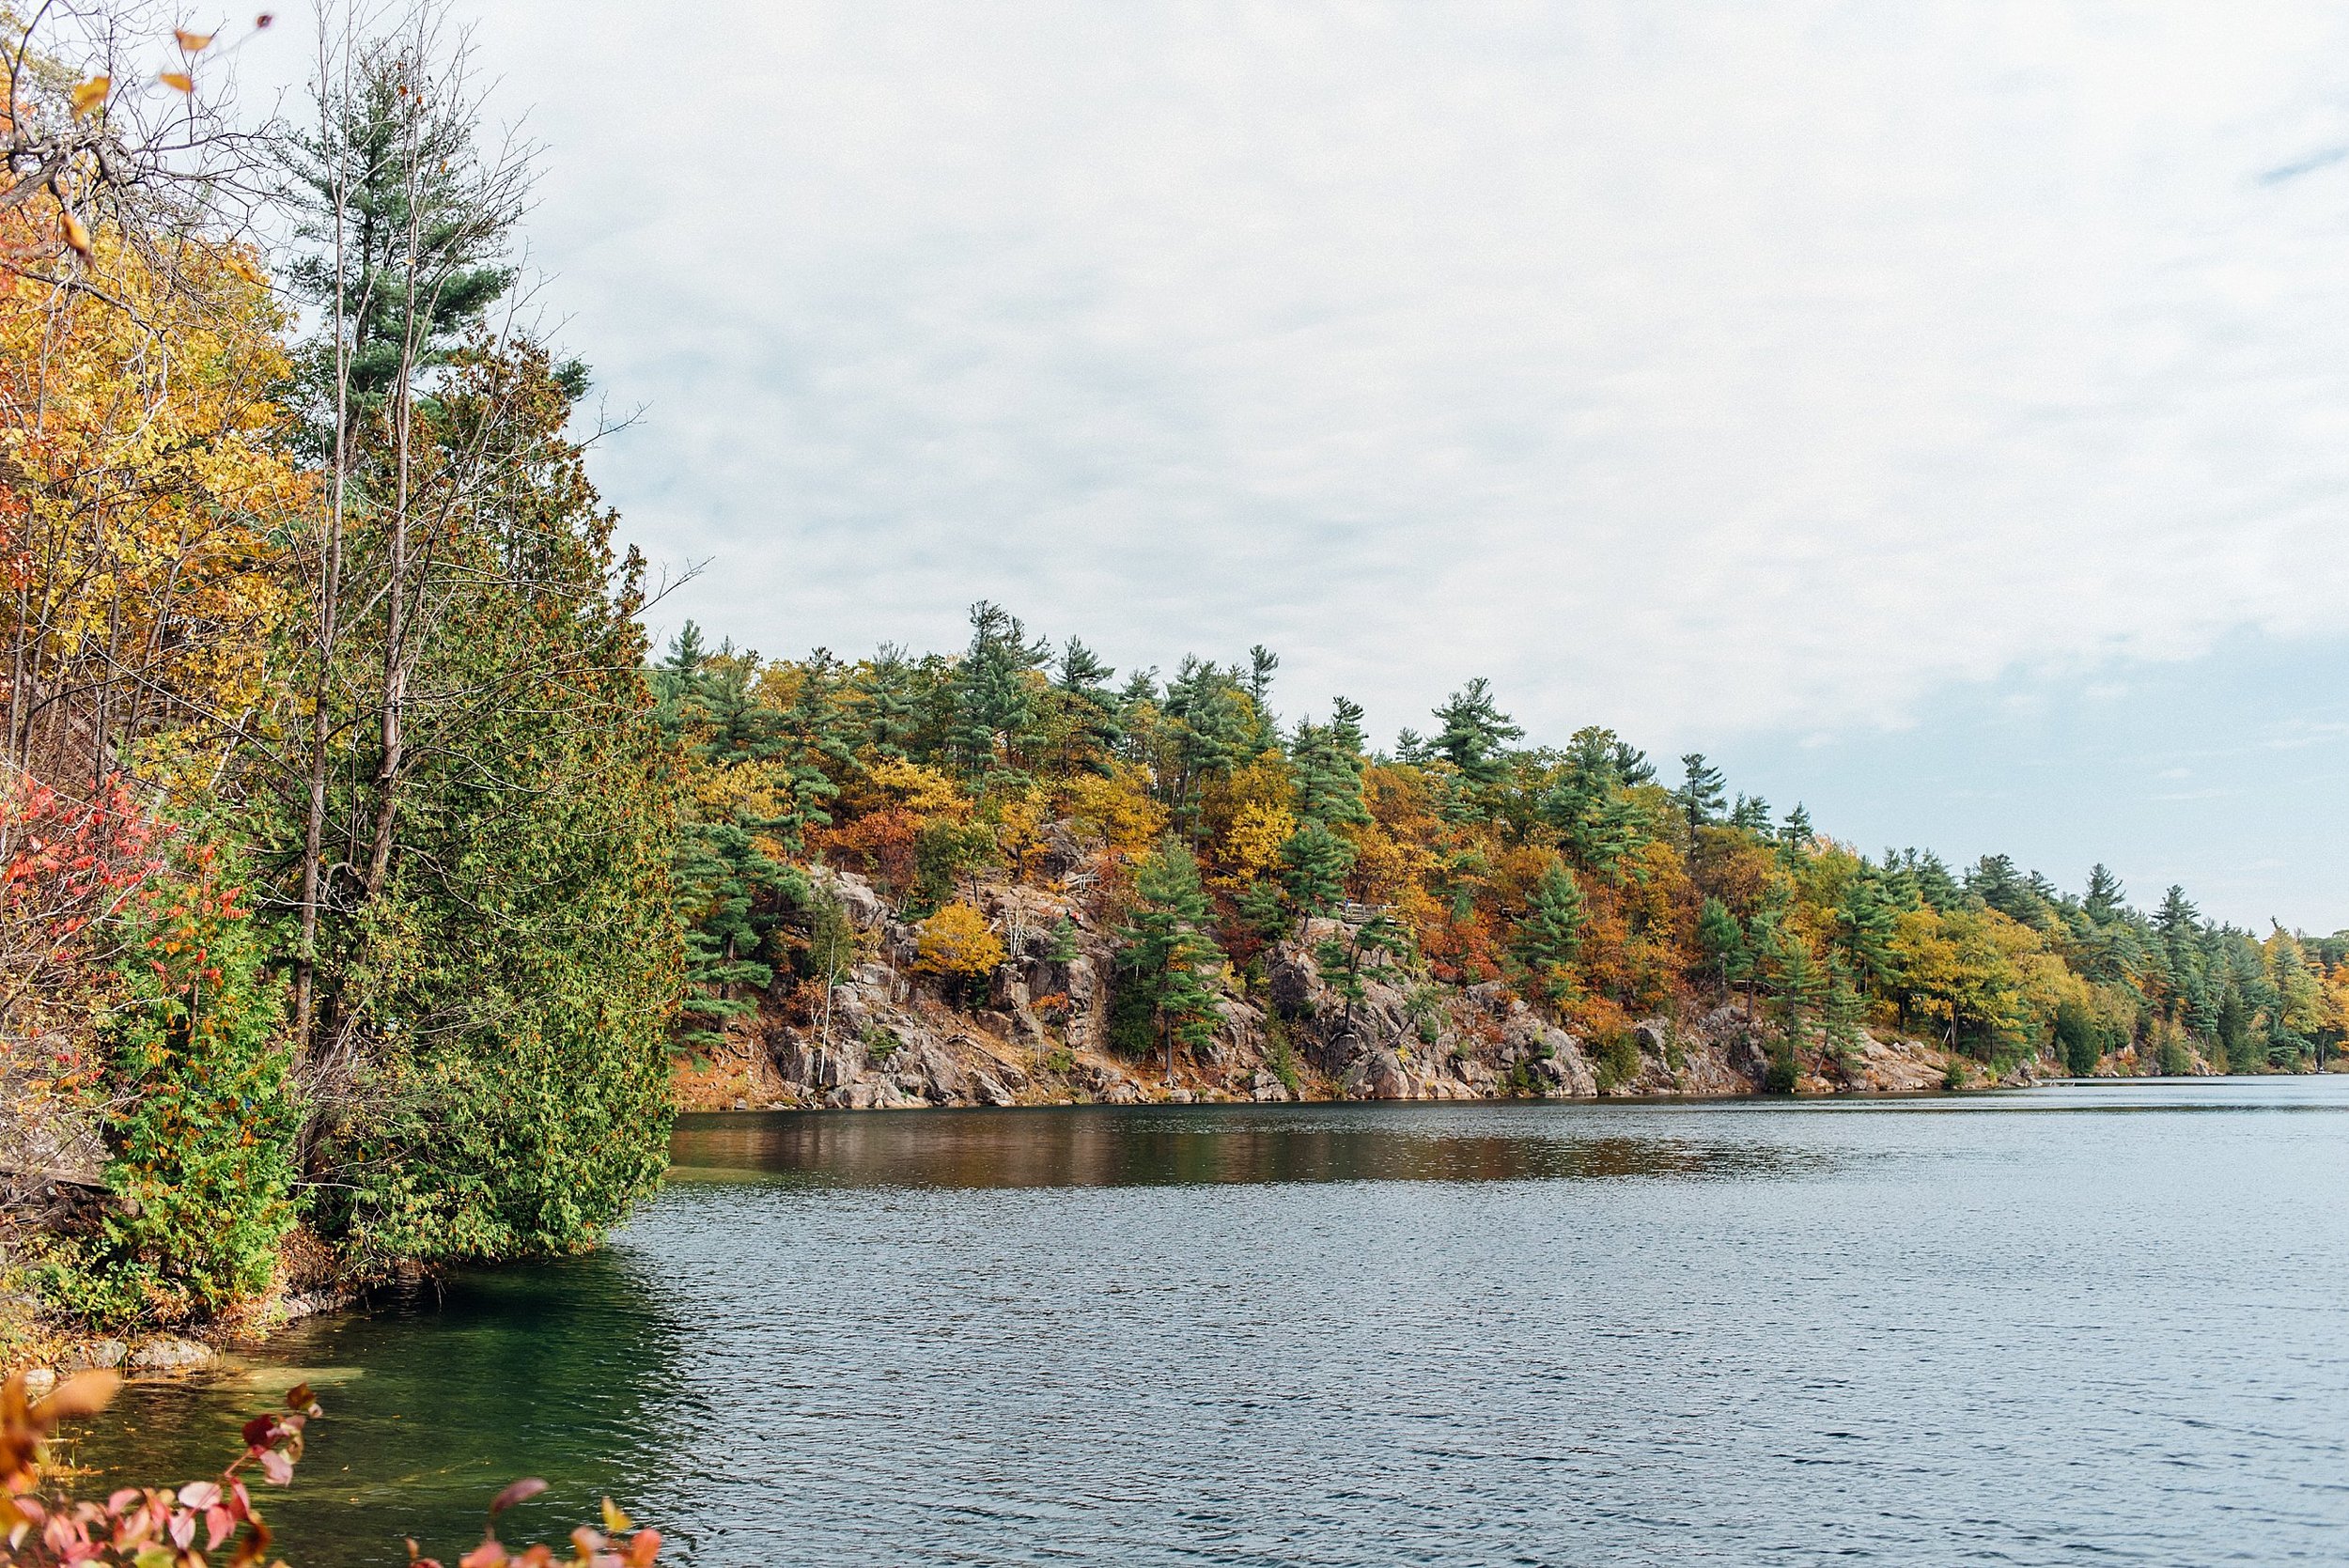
x: 2100, y: 1323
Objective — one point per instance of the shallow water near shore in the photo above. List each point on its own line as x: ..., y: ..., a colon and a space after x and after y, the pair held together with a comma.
x: 2094, y: 1321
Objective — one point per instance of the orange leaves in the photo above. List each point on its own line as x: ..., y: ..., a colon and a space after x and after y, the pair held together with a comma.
x: 195, y: 43
x: 90, y: 96
x: 609, y: 1548
x: 178, y: 80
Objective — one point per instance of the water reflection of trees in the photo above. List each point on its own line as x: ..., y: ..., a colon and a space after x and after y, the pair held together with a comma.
x: 1113, y: 1147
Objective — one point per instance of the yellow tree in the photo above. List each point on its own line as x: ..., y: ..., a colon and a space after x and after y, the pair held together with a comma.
x: 147, y: 511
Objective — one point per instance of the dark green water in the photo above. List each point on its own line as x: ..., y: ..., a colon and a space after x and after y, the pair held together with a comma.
x: 2082, y: 1324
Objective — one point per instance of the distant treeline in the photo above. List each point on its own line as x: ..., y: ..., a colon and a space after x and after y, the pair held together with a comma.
x: 1583, y: 875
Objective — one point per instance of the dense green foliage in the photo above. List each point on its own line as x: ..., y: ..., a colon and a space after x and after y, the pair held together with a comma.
x: 417, y: 993
x: 205, y: 1112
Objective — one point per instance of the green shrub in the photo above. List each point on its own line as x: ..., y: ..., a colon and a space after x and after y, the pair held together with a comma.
x: 1618, y: 1058
x: 203, y: 1136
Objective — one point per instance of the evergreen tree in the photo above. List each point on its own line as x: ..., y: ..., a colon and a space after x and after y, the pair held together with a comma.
x: 1722, y: 941
x: 1314, y: 862
x: 1702, y: 792
x: 406, y: 228
x: 1864, y: 923
x: 993, y: 697
x: 1546, y: 939
x: 1095, y: 715
x: 1475, y: 734
x: 2107, y: 899
x: 1168, y: 952
x: 1329, y: 774
x: 1344, y: 960
x: 1262, y: 662
x: 1930, y: 876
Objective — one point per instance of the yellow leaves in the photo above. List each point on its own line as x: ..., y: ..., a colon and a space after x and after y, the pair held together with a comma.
x: 1251, y: 848
x: 1120, y: 806
x: 138, y: 431
x: 957, y: 944
x: 84, y: 1393
x: 88, y: 96
x: 195, y: 43
x: 178, y: 80
x: 614, y: 1521
x: 909, y: 786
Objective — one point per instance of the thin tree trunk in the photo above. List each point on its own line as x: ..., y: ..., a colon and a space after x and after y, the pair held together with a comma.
x: 330, y: 588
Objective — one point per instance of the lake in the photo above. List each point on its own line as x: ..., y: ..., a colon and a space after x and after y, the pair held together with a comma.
x: 2102, y: 1323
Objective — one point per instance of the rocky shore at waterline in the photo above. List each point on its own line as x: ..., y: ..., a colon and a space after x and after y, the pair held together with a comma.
x: 1038, y: 1033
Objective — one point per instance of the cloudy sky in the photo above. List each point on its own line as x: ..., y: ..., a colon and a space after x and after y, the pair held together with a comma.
x: 1939, y: 412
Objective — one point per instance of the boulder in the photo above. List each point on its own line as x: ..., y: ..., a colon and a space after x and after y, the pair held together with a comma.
x: 93, y: 1354
x: 1068, y: 846
x: 857, y: 901
x: 1378, y: 1074
x: 170, y: 1355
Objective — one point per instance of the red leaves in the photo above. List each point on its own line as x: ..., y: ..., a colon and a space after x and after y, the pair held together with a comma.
x: 520, y: 1491
x: 137, y: 1527
x: 133, y: 1525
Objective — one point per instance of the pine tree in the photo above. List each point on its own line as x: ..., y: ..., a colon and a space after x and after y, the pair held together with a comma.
x: 1329, y: 774
x: 1864, y: 923
x: 1262, y: 662
x: 2107, y: 899
x: 1702, y: 792
x: 1546, y: 939
x: 1169, y: 952
x: 1060, y: 943
x: 1722, y: 941
x: 1093, y: 713
x: 993, y: 701
x: 884, y: 703
x: 1475, y: 734
x: 1314, y: 862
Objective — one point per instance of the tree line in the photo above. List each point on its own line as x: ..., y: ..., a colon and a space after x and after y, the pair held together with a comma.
x: 1584, y: 875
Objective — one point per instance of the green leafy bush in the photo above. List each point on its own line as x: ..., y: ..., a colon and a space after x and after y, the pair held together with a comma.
x: 205, y: 1117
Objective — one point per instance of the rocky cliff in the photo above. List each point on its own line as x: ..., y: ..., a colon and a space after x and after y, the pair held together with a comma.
x: 1039, y: 1034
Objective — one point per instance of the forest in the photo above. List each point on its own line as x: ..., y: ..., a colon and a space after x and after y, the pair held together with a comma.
x: 1583, y: 876
x: 366, y: 872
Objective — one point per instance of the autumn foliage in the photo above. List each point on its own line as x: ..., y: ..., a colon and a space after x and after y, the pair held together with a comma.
x: 215, y: 1521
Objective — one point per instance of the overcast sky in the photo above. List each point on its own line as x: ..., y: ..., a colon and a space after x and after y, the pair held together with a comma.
x: 1941, y: 412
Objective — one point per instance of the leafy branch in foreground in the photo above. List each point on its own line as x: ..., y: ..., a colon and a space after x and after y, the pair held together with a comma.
x: 151, y: 1527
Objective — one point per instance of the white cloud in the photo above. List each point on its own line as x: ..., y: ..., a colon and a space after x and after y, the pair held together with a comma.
x: 1691, y: 368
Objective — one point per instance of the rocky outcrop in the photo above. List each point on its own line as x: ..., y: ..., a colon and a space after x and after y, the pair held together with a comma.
x: 1038, y: 1029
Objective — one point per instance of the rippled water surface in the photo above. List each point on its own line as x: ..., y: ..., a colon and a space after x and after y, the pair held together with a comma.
x: 2102, y: 1324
